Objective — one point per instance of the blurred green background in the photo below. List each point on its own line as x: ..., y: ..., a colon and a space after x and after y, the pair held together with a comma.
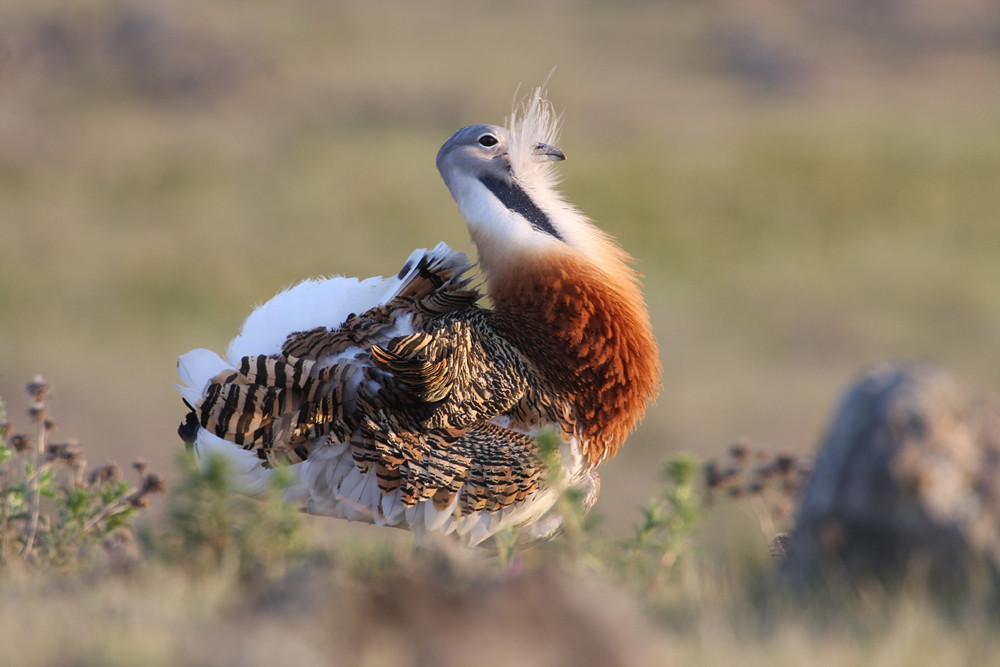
x: 807, y: 187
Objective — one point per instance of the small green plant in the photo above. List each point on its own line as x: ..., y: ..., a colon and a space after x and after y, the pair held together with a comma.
x: 668, y: 520
x: 53, y: 509
x: 210, y: 526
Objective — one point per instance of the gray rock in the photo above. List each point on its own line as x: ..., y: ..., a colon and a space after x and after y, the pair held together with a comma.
x: 906, y: 486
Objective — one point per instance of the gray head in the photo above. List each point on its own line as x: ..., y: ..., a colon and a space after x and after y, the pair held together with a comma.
x: 492, y: 172
x: 487, y: 148
x: 504, y: 183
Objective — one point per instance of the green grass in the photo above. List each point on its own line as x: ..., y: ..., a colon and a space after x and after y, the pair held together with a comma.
x: 153, y: 190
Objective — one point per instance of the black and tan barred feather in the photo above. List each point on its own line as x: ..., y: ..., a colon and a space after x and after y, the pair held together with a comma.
x: 278, y: 407
x: 436, y: 285
x: 418, y: 407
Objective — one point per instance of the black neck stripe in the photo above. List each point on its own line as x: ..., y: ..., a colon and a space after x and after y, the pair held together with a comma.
x: 517, y: 200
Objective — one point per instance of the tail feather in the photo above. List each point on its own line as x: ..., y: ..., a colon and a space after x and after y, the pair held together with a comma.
x: 280, y: 407
x: 196, y: 369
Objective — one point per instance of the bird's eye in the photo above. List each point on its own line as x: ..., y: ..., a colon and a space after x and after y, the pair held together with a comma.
x: 487, y: 140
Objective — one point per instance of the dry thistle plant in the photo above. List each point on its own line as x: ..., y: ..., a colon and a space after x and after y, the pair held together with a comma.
x: 771, y: 483
x: 53, y: 507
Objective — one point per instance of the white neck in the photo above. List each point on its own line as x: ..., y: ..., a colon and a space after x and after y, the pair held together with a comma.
x: 506, y: 238
x: 497, y: 231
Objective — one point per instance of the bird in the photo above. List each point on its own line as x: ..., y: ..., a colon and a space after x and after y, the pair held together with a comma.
x: 424, y: 400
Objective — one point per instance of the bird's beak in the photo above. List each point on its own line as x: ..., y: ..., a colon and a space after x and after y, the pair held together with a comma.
x: 548, y: 152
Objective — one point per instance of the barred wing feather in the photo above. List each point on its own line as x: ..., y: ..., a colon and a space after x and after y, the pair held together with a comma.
x: 392, y: 397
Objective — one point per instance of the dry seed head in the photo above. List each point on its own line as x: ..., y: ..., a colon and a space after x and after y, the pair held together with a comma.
x: 37, y: 411
x: 153, y: 483
x: 69, y: 453
x: 141, y: 466
x: 712, y: 477
x: 106, y: 473
x: 739, y: 452
x: 139, y: 502
x: 37, y: 389
x: 21, y: 442
x: 785, y: 463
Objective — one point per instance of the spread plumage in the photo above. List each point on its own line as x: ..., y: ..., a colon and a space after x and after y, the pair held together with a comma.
x: 402, y: 401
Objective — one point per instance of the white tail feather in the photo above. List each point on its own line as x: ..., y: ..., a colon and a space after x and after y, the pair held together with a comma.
x: 196, y: 369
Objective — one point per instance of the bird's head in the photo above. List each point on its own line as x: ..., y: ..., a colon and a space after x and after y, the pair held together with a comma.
x: 491, y: 150
x: 504, y: 182
x: 495, y: 175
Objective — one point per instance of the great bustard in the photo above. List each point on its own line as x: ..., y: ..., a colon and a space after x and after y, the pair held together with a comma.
x: 399, y: 401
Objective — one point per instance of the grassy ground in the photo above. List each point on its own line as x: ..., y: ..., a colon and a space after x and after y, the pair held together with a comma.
x: 806, y: 190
